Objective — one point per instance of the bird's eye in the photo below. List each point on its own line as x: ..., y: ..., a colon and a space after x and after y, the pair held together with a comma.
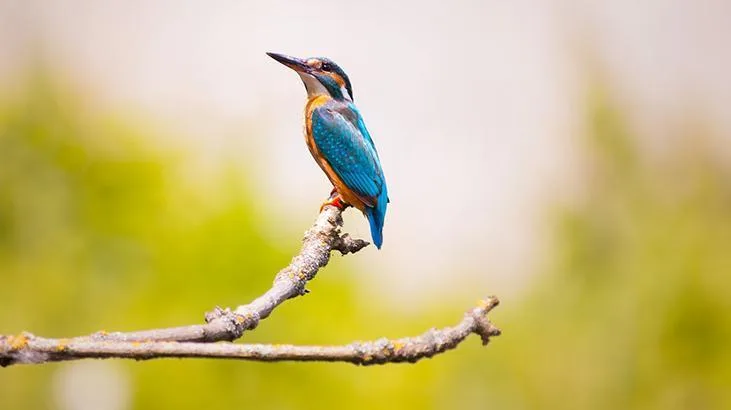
x: 326, y: 66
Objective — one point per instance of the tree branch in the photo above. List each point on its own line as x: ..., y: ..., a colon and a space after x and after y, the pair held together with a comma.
x: 29, y: 349
x: 228, y: 325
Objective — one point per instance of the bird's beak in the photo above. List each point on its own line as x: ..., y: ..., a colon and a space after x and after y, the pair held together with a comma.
x: 296, y: 64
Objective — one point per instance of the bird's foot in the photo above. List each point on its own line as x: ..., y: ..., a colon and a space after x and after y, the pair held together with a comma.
x: 335, y: 200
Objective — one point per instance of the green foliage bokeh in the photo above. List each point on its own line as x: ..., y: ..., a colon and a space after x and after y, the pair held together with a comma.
x: 99, y: 229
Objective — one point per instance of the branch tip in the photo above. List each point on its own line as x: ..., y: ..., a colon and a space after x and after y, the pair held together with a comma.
x: 345, y: 244
x: 482, y: 326
x: 488, y: 303
x: 216, y: 313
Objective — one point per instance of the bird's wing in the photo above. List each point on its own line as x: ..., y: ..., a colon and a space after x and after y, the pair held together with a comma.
x: 350, y: 153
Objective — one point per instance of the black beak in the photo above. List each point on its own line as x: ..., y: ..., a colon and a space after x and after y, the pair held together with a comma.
x: 296, y: 64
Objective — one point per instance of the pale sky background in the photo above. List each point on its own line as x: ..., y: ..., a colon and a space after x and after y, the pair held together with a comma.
x: 476, y: 107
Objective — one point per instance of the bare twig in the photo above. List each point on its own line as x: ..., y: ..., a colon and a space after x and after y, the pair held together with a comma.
x: 29, y: 349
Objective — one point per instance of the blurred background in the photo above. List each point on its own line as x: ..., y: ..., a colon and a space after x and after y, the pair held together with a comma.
x: 572, y: 157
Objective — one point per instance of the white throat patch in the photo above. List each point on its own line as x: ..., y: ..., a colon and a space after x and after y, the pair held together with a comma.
x: 312, y: 85
x: 346, y: 94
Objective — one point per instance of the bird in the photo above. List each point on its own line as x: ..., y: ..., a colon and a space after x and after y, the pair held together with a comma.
x: 339, y: 141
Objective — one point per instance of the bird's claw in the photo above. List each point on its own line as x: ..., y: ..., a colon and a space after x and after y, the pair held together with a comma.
x: 335, y: 200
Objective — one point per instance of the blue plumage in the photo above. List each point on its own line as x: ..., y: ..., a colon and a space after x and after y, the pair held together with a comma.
x: 340, y: 134
x: 352, y: 156
x: 376, y: 217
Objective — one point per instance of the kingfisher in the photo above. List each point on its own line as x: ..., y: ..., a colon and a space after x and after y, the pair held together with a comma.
x: 339, y: 142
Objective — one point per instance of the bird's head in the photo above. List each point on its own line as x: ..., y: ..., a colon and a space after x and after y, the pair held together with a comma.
x: 320, y: 75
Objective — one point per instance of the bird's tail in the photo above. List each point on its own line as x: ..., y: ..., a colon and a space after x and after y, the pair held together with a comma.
x: 376, y: 218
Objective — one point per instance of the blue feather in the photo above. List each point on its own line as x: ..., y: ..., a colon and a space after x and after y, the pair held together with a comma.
x: 341, y: 137
x: 352, y: 157
x: 376, y: 217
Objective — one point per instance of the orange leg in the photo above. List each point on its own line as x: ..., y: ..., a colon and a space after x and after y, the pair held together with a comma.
x: 335, y: 200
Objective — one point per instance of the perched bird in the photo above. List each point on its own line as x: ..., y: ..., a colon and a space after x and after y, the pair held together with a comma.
x: 339, y: 141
